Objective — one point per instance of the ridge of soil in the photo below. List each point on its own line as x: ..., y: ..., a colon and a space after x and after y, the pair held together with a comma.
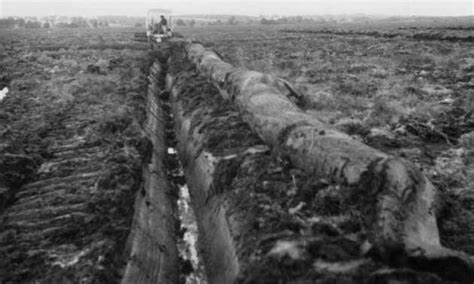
x: 286, y: 225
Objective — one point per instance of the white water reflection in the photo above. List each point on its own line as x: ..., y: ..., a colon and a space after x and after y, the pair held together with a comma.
x: 189, y: 248
x: 3, y: 93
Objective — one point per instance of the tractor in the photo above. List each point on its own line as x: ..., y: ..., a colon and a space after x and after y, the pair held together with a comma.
x: 156, y: 30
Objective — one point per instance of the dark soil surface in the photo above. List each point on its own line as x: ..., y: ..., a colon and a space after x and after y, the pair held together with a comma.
x: 71, y: 158
x: 441, y: 35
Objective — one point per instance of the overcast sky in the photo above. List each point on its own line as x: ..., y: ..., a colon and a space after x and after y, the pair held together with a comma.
x: 90, y: 8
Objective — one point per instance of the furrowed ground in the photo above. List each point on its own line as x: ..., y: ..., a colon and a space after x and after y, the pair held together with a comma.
x: 70, y: 153
x: 72, y: 147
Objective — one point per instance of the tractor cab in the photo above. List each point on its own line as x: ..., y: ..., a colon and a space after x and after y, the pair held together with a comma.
x: 159, y: 25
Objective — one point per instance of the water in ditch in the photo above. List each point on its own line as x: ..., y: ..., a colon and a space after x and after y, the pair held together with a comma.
x: 192, y: 269
x: 188, y: 246
x: 3, y: 93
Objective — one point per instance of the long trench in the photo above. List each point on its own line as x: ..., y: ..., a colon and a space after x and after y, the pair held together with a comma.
x: 181, y: 231
x: 226, y: 193
x: 163, y: 240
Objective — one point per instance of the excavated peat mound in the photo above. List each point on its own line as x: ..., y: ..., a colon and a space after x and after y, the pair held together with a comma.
x: 437, y: 138
x: 285, y: 225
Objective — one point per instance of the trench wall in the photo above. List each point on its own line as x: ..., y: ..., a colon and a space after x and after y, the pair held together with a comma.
x: 153, y: 255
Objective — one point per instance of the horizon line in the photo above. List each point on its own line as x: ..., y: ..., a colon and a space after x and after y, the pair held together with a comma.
x: 253, y: 16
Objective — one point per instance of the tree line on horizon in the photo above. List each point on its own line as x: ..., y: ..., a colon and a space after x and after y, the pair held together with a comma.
x: 46, y: 23
x: 210, y: 20
x: 106, y: 21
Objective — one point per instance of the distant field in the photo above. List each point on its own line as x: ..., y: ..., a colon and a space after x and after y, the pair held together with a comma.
x: 73, y: 38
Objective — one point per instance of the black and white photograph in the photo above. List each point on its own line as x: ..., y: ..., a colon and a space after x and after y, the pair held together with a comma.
x: 221, y: 142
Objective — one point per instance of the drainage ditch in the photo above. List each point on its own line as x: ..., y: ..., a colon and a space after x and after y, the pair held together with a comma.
x: 191, y: 267
x: 163, y: 241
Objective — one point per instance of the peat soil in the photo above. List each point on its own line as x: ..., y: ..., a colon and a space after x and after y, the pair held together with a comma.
x: 287, y: 225
x: 443, y: 149
x: 71, y: 155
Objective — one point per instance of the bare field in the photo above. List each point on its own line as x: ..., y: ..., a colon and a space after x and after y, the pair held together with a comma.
x: 72, y: 146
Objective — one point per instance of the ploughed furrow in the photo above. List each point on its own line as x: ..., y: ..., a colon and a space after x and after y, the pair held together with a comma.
x: 70, y: 221
x: 65, y: 185
x: 57, y: 217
